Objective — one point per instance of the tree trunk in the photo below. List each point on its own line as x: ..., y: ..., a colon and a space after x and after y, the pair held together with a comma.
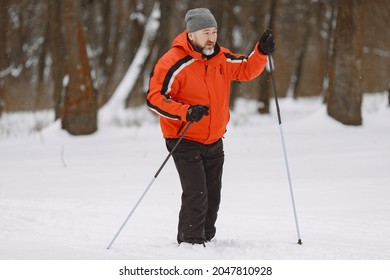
x: 265, y: 82
x: 4, y: 63
x: 56, y: 48
x: 345, y: 87
x: 80, y: 104
x: 311, y: 64
x: 330, y: 30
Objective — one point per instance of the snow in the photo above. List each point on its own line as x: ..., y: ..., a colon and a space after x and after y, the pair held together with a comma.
x: 64, y: 197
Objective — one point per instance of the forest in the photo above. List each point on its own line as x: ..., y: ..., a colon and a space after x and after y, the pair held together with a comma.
x: 70, y: 56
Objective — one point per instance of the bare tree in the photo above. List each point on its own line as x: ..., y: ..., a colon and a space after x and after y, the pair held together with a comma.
x: 376, y: 49
x: 80, y: 103
x: 56, y: 43
x: 312, y: 54
x: 155, y: 45
x: 345, y: 86
x: 33, y: 50
x: 123, y: 33
x: 265, y: 81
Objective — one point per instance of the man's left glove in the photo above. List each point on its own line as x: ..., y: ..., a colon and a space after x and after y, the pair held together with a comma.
x: 196, y: 112
x: 266, y: 43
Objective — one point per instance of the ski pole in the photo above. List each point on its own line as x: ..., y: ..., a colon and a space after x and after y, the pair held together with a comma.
x: 284, y: 146
x: 148, y: 187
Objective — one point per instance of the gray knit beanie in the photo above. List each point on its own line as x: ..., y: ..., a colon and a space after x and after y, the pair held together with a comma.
x: 198, y: 19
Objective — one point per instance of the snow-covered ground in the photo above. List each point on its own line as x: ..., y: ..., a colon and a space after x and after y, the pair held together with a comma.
x: 64, y: 197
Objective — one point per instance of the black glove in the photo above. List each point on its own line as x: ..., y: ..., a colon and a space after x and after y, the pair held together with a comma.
x: 266, y: 43
x: 196, y: 112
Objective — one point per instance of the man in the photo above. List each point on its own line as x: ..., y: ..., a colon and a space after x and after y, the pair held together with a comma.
x: 191, y: 84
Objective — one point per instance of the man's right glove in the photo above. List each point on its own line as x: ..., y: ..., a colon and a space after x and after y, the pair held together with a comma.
x: 266, y: 43
x: 196, y: 112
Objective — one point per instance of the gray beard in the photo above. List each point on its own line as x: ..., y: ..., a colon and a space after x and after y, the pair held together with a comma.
x: 208, y: 52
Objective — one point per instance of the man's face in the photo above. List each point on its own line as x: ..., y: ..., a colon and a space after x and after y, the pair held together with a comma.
x: 204, y: 40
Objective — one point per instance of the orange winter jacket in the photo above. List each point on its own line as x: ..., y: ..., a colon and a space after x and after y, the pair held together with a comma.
x: 184, y: 77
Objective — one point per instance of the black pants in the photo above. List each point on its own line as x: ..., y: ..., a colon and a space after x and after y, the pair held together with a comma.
x: 200, y: 171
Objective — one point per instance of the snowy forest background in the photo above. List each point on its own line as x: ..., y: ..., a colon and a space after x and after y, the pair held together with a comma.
x: 69, y: 57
